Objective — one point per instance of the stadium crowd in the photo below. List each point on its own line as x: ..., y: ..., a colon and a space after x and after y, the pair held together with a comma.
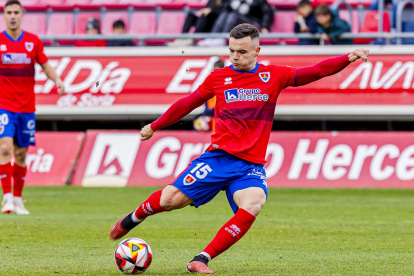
x: 175, y: 17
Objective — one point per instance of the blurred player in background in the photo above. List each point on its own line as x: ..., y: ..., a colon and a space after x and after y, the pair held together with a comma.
x: 206, y: 121
x: 19, y: 52
x: 246, y: 95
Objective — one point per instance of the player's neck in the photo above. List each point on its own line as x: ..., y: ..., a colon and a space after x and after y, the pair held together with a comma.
x: 15, y: 34
x: 251, y: 67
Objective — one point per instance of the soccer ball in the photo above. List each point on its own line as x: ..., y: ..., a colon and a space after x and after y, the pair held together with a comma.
x: 133, y: 256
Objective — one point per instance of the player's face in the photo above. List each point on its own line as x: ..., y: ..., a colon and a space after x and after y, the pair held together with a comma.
x: 13, y: 15
x: 243, y: 53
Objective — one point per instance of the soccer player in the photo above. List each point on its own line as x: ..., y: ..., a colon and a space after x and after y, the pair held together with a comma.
x: 19, y: 51
x: 246, y: 95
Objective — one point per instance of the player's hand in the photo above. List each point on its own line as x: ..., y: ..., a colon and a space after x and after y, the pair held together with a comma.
x: 60, y: 87
x: 146, y: 132
x: 357, y: 54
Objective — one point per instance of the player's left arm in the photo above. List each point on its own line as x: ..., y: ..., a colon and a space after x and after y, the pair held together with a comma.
x: 42, y: 59
x: 51, y: 74
x: 328, y: 67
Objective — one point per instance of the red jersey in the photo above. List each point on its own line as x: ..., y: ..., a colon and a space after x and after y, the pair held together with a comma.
x: 245, y: 107
x: 17, y: 71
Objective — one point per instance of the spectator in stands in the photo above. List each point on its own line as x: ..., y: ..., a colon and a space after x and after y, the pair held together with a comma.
x: 206, y: 120
x: 203, y: 21
x: 119, y: 29
x: 255, y: 12
x: 306, y: 22
x: 92, y: 28
x: 331, y: 26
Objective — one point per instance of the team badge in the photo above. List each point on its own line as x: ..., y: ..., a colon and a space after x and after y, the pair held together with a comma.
x: 189, y: 179
x: 265, y: 76
x: 3, y: 47
x: 1, y: 129
x: 29, y: 46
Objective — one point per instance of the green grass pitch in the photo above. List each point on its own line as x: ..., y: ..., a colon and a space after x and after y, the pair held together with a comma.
x: 299, y: 232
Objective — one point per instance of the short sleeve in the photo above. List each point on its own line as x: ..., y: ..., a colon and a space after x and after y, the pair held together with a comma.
x: 41, y: 58
x: 205, y: 90
x: 286, y: 75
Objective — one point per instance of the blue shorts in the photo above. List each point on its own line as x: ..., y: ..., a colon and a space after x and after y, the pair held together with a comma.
x: 218, y: 170
x: 19, y: 126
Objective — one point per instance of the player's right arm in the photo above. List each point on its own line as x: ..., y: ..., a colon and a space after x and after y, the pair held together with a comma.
x: 180, y: 108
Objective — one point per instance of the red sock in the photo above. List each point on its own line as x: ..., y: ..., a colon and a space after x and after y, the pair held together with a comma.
x: 19, y: 175
x: 6, y: 172
x: 230, y: 233
x: 150, y: 207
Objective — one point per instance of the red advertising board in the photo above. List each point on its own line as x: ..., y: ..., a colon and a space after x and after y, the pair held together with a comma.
x: 295, y: 159
x: 51, y: 161
x: 139, y: 80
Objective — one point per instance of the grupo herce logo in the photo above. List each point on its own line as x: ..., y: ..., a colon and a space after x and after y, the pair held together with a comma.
x: 240, y: 94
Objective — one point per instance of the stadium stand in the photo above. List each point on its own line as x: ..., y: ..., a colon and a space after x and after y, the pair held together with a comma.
x: 60, y: 24
x: 110, y: 18
x: 283, y: 23
x: 370, y: 24
x: 169, y: 23
x: 355, y: 23
x: 143, y: 23
x: 35, y: 23
x: 82, y: 19
x: 166, y: 17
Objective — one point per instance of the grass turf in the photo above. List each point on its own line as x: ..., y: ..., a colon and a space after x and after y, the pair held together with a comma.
x: 299, y: 232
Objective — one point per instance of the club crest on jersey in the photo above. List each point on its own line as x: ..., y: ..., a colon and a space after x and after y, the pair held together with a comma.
x: 189, y: 179
x: 29, y: 46
x: 1, y: 129
x: 264, y: 76
x: 3, y: 47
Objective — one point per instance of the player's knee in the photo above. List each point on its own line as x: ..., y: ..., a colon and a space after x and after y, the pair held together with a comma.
x: 5, y: 150
x: 171, y: 202
x: 20, y: 155
x: 167, y: 203
x: 254, y: 206
x: 253, y: 209
x: 172, y: 199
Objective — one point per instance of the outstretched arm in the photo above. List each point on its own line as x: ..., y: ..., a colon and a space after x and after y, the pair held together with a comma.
x: 328, y: 67
x: 176, y: 112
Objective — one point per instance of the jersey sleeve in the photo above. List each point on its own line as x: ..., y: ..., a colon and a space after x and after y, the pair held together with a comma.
x: 41, y: 58
x: 287, y: 75
x: 205, y: 90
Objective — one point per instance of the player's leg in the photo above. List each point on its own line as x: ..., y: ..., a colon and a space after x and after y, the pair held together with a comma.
x: 167, y: 199
x: 6, y: 173
x: 250, y: 201
x: 246, y: 196
x: 196, y: 185
x: 19, y: 176
x: 25, y: 137
x: 7, y: 133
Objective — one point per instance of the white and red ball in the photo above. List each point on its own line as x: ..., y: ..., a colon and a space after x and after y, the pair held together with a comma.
x: 133, y: 256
